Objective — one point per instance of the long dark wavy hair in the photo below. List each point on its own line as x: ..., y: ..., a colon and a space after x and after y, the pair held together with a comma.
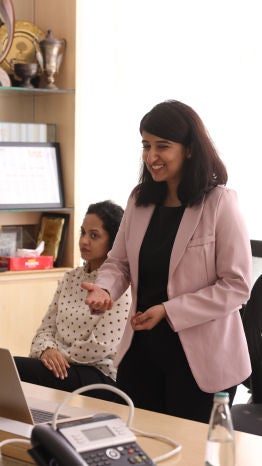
x: 175, y: 121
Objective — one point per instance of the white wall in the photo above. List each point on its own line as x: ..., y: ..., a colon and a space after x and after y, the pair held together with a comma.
x: 136, y: 53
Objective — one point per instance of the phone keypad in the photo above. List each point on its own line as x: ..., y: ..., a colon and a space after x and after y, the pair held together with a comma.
x: 122, y: 455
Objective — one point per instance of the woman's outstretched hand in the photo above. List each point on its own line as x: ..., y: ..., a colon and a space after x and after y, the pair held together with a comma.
x: 97, y: 299
x: 148, y: 319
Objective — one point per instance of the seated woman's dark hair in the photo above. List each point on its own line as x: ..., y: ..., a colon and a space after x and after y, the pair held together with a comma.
x: 175, y: 121
x: 111, y: 215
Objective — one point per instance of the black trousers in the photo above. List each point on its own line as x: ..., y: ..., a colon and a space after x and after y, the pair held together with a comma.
x: 33, y: 371
x: 156, y: 375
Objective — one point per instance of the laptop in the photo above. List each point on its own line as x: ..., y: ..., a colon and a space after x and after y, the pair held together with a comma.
x: 15, y: 406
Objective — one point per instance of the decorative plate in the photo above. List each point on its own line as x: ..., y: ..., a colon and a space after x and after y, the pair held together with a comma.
x: 24, y: 45
x: 4, y: 78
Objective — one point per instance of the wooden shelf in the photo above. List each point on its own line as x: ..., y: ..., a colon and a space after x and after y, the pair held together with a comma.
x: 33, y: 92
x: 58, y: 209
x: 29, y: 274
x: 26, y: 295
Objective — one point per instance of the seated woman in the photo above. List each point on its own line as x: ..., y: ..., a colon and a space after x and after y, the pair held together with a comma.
x: 72, y: 347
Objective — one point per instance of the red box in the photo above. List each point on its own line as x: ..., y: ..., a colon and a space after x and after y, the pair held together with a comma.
x: 26, y: 263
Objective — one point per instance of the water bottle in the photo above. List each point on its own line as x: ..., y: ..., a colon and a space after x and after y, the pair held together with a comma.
x: 220, y: 448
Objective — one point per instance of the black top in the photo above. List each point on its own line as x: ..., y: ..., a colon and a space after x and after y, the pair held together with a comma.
x: 155, y: 254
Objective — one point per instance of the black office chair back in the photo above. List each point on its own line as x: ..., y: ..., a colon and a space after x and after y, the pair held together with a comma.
x: 248, y: 417
x: 252, y: 321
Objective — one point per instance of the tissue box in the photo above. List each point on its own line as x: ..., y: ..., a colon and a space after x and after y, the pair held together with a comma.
x: 26, y: 263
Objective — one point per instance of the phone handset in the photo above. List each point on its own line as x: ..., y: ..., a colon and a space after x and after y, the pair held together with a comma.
x: 49, y: 447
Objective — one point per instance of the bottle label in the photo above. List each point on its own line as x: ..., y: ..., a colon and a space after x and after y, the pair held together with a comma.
x: 220, y: 453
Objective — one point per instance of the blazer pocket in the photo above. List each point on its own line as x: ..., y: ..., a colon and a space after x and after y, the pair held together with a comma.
x: 201, y: 241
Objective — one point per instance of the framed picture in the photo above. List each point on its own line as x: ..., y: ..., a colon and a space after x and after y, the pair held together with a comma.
x: 9, y: 240
x: 30, y: 175
x: 52, y: 230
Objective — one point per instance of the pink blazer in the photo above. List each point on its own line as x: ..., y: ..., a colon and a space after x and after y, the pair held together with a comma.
x: 209, y: 279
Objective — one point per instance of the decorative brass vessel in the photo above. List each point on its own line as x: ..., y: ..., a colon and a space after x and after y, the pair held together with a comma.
x: 50, y: 57
x: 26, y: 71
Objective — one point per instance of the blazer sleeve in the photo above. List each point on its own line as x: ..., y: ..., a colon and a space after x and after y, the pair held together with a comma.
x: 114, y: 274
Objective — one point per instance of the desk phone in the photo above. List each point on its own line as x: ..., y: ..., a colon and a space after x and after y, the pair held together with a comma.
x: 103, y: 440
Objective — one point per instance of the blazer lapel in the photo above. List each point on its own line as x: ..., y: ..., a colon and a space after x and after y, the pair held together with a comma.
x: 185, y: 232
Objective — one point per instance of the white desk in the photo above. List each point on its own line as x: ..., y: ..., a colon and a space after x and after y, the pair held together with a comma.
x: 191, y: 435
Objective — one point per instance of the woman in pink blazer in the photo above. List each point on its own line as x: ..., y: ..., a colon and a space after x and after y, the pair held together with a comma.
x: 184, y: 247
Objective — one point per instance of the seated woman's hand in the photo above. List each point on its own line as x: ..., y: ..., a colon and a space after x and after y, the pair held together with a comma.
x: 148, y: 319
x: 97, y: 299
x: 56, y: 362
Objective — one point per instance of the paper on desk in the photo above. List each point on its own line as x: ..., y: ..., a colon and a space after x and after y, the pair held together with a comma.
x: 15, y: 427
x: 10, y: 429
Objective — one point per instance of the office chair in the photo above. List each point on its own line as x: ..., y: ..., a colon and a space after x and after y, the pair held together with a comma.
x: 248, y: 417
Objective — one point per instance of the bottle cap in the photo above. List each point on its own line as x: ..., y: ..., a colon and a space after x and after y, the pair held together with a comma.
x: 221, y: 395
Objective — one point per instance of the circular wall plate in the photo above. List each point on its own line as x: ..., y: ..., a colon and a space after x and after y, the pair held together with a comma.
x: 24, y: 45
